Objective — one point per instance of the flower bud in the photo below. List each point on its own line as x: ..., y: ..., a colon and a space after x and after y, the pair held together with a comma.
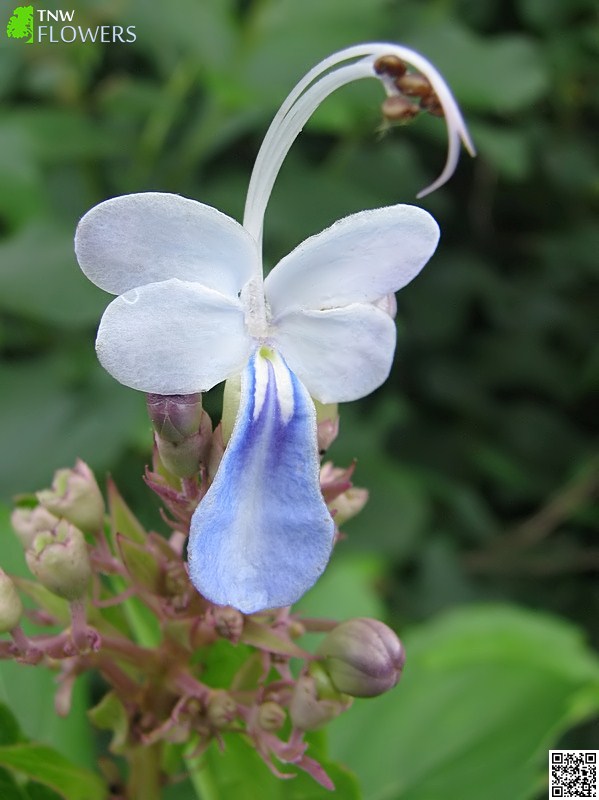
x: 28, y: 522
x: 180, y: 458
x: 271, y: 716
x: 75, y: 495
x: 59, y: 559
x: 231, y: 402
x: 363, y: 657
x: 315, y: 701
x: 175, y: 417
x: 11, y: 607
x: 228, y: 623
x: 348, y: 504
x: 222, y: 709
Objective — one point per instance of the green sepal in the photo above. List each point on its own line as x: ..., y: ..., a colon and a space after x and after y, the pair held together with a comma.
x: 266, y: 639
x: 110, y: 715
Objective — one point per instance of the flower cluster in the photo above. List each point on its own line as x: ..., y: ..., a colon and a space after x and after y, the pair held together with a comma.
x: 122, y: 598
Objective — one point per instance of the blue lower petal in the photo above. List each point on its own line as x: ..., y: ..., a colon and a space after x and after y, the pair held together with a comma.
x: 262, y: 535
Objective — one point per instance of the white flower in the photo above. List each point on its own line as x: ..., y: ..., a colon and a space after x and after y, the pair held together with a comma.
x: 193, y: 310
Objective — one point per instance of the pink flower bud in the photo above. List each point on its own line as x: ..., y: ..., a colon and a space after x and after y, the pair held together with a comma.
x: 75, y: 495
x: 175, y: 417
x: 28, y: 522
x: 363, y: 657
x: 11, y: 607
x: 59, y: 559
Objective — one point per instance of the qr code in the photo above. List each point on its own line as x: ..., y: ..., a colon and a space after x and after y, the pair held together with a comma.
x: 572, y: 774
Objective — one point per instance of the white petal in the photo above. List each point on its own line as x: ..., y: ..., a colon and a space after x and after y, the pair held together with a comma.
x: 340, y: 354
x: 173, y: 337
x: 143, y: 238
x: 358, y: 259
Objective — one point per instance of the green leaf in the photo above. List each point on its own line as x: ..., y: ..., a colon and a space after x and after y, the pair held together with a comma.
x: 37, y: 791
x: 10, y: 732
x: 226, y: 775
x: 485, y: 692
x: 47, y: 422
x: 502, y: 73
x: 47, y: 766
x: 9, y: 788
x: 65, y: 297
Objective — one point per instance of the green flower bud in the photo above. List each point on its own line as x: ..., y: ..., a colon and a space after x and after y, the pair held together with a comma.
x: 363, y: 657
x: 28, y: 522
x: 11, y: 607
x: 175, y: 417
x: 75, y: 495
x: 315, y: 701
x: 222, y: 709
x: 59, y: 559
x: 271, y: 716
x: 181, y: 458
x: 231, y: 401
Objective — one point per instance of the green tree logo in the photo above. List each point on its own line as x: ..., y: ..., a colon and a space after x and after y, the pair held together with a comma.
x: 20, y: 25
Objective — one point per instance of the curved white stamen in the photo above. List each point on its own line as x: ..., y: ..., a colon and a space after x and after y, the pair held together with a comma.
x: 303, y: 100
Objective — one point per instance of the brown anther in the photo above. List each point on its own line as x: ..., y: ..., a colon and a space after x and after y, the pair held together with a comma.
x: 399, y: 109
x: 414, y: 85
x: 390, y: 65
x: 432, y: 105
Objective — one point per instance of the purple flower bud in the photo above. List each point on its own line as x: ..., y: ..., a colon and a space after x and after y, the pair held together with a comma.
x: 28, y: 522
x: 271, y: 716
x: 363, y: 657
x: 11, y: 607
x: 59, y: 559
x: 75, y: 495
x: 175, y: 417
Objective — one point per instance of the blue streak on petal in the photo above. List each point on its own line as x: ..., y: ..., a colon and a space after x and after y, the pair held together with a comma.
x: 262, y: 535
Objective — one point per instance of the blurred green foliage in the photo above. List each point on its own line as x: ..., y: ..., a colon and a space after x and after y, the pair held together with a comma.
x: 480, y: 451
